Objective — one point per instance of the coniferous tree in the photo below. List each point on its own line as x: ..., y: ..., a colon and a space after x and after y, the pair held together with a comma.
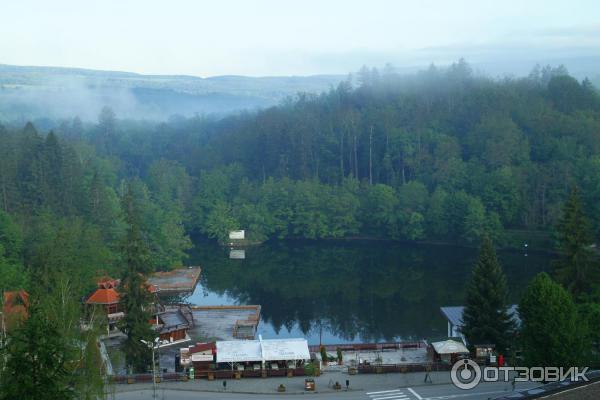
x: 101, y: 206
x: 53, y: 181
x: 134, y: 294
x: 106, y: 137
x: 30, y: 169
x: 485, y: 317
x: 552, y: 334
x: 577, y: 268
x: 62, y: 308
x: 36, y: 360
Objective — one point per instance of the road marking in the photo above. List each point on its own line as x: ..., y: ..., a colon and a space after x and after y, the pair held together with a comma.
x: 414, y: 394
x: 383, y: 391
x: 454, y: 396
x: 395, y: 396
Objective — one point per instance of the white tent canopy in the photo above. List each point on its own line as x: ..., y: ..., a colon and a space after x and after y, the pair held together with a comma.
x: 238, y: 351
x: 449, y: 347
x: 285, y: 349
x: 234, y: 351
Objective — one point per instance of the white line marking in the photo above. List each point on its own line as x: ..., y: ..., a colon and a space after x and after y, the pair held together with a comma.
x: 454, y: 396
x: 398, y: 396
x: 414, y: 394
x: 383, y: 391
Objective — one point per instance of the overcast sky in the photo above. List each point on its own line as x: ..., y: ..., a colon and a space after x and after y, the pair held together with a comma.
x: 279, y: 37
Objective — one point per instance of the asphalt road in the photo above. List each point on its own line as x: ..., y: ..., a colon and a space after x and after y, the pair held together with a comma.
x: 434, y: 392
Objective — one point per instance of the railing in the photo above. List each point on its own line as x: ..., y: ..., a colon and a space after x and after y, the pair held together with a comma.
x: 403, y: 368
x: 204, y: 374
x: 248, y: 373
x: 170, y: 376
x: 369, y: 346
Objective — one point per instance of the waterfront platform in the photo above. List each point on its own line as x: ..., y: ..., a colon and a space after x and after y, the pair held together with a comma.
x: 224, y: 322
x: 178, y: 280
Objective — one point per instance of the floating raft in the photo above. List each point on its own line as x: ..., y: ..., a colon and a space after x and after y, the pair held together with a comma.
x: 225, y: 322
x: 176, y: 281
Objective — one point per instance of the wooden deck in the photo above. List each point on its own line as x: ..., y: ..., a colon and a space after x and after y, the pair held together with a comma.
x: 225, y: 322
x: 179, y: 280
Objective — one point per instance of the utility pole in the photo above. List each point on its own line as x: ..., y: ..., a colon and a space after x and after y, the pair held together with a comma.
x: 371, y: 156
x: 320, y: 335
x: 153, y: 374
x: 151, y: 345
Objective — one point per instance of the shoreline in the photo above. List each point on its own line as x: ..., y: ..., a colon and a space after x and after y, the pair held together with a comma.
x: 366, y: 239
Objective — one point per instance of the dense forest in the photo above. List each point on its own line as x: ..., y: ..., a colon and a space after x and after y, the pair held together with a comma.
x: 442, y: 155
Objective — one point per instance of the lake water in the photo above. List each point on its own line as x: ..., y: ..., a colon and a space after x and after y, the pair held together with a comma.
x: 353, y: 291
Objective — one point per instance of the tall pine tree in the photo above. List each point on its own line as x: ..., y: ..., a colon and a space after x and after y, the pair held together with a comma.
x: 134, y: 294
x: 577, y: 269
x: 485, y: 317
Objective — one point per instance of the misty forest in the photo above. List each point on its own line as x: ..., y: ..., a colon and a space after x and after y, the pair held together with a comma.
x: 444, y: 155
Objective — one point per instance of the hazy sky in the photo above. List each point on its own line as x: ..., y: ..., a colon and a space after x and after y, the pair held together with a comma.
x: 279, y: 37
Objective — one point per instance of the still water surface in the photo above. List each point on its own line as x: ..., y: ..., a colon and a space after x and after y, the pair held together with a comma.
x: 349, y: 291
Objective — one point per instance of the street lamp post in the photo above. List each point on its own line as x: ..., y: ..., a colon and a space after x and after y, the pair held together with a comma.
x: 151, y: 345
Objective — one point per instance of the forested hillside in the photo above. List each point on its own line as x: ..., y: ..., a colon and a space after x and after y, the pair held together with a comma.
x: 60, y: 207
x: 44, y: 93
x: 441, y: 155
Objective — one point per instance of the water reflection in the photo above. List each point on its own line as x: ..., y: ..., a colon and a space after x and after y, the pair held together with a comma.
x: 348, y: 291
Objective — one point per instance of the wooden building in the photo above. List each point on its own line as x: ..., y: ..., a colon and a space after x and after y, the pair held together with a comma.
x: 14, y: 309
x: 172, y: 323
x: 200, y: 357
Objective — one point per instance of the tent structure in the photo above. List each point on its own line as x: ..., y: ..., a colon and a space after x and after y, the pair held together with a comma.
x: 238, y: 351
x: 449, y: 347
x: 285, y: 349
x: 234, y: 351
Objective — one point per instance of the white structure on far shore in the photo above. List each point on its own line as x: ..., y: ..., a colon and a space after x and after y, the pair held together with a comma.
x: 237, y: 235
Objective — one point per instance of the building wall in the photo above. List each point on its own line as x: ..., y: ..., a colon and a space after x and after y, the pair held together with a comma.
x: 175, y: 335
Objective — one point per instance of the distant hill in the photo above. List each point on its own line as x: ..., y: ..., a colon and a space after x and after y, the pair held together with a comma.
x: 53, y: 92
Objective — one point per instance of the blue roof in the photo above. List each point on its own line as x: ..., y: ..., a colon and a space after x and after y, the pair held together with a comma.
x: 454, y: 314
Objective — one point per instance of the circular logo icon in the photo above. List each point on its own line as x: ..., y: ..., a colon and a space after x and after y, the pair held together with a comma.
x: 465, y: 374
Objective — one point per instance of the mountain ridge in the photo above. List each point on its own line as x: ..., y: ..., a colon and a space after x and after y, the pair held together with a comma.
x: 29, y: 92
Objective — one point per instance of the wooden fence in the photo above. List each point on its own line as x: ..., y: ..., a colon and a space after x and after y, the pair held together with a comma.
x: 402, y: 368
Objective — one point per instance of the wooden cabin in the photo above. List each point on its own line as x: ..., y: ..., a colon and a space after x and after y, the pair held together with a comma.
x: 14, y: 309
x: 173, y: 323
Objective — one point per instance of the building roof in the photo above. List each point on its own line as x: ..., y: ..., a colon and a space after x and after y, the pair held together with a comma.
x: 449, y: 347
x: 454, y: 314
x: 14, y: 308
x: 107, y: 291
x: 202, y: 347
x: 262, y: 350
x: 285, y: 349
x: 15, y: 302
x: 238, y: 351
x: 108, y: 283
x: 103, y: 296
x: 173, y: 318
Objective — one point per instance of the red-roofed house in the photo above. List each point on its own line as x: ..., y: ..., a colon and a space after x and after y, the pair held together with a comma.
x: 14, y: 308
x: 107, y: 298
x: 108, y: 283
